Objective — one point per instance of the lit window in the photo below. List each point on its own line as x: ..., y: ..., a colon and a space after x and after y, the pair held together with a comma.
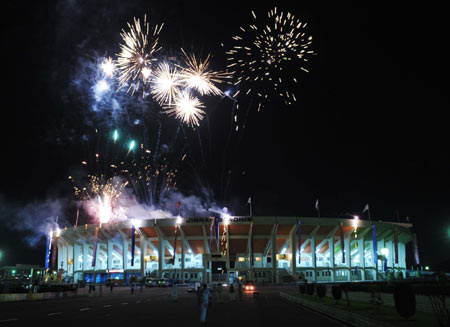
x: 258, y: 259
x: 241, y: 259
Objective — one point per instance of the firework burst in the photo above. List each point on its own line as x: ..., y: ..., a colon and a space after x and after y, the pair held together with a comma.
x: 166, y: 83
x: 136, y: 56
x: 108, y: 67
x: 265, y: 54
x: 187, y: 108
x: 197, y: 76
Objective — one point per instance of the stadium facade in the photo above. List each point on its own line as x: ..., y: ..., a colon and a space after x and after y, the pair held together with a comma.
x: 264, y: 249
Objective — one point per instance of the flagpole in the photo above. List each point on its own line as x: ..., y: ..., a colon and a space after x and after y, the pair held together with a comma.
x: 370, y: 220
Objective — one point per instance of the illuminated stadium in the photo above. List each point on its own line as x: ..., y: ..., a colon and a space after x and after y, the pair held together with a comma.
x: 263, y: 249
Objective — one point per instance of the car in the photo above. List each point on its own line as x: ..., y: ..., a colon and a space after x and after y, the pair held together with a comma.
x: 163, y: 282
x: 249, y: 287
x: 150, y: 282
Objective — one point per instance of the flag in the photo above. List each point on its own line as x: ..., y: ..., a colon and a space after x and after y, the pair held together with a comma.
x: 94, y: 255
x: 396, y: 244
x: 133, y: 243
x: 175, y: 245
x: 416, y: 249
x: 299, y: 241
x: 317, y: 204
x: 251, y: 245
x: 47, y: 252
x: 216, y: 231
x: 366, y: 208
x: 341, y: 232
x: 210, y: 232
x: 76, y: 221
x: 374, y: 240
x: 54, y: 252
x: 396, y: 215
x: 249, y: 200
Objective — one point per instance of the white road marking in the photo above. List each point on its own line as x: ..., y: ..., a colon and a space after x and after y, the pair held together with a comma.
x: 125, y: 303
x: 138, y: 301
x: 54, y: 313
x: 84, y: 309
x: 107, y: 305
x: 12, y: 319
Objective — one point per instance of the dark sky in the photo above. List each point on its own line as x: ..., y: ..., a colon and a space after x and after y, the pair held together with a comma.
x: 370, y: 125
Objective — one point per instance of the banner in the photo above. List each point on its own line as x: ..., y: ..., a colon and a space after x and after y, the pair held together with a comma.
x: 216, y: 231
x: 396, y: 244
x: 374, y: 240
x: 94, y: 256
x: 416, y: 249
x: 175, y: 246
x: 251, y: 245
x: 47, y: 252
x: 341, y: 232
x: 54, y: 252
x: 133, y: 243
x: 299, y: 241
x: 210, y: 233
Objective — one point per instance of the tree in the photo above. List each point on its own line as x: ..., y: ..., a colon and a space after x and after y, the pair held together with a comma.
x: 405, y: 300
x: 321, y: 290
x: 337, y: 293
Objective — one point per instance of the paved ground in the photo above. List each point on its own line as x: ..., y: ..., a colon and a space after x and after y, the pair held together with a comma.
x: 153, y: 306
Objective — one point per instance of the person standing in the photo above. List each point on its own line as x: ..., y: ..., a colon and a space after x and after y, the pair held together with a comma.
x: 206, y: 295
x: 175, y: 292
x: 219, y: 290
x: 240, y: 291
x: 232, y: 292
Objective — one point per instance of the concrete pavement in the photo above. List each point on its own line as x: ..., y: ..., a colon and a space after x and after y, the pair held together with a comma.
x: 154, y: 306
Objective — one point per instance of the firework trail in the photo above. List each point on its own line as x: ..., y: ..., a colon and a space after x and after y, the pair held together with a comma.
x: 266, y: 55
x: 136, y: 57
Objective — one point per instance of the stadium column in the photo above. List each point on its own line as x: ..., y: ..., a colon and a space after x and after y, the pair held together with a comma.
x: 160, y: 255
x: 143, y: 242
x: 76, y: 258
x: 294, y: 251
x: 70, y: 256
x: 109, y: 259
x: 228, y: 255
x: 124, y: 256
x: 86, y: 264
x: 362, y: 258
x: 274, y: 255
x: 313, y: 256
x: 331, y: 253
x: 348, y: 257
x: 182, y: 257
x: 205, y: 263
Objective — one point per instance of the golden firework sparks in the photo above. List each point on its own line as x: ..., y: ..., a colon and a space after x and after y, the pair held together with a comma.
x: 187, y: 108
x: 267, y: 49
x: 137, y: 54
x: 165, y: 82
x: 197, y: 75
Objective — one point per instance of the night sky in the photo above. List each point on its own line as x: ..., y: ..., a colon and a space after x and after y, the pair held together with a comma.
x: 369, y: 126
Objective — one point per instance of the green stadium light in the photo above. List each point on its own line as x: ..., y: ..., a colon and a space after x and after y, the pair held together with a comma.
x: 13, y: 272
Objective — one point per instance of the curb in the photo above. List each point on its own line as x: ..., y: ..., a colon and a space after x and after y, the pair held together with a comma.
x: 345, y: 316
x: 36, y: 296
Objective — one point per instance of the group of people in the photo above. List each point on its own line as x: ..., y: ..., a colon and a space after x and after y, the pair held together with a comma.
x: 205, y: 297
